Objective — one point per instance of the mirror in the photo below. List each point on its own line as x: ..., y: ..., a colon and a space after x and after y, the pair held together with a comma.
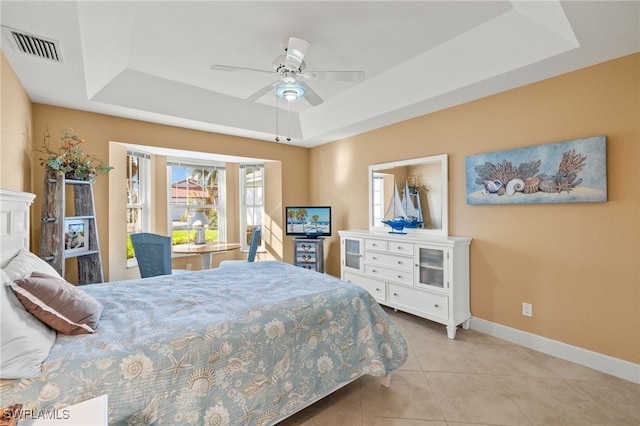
x: 426, y: 179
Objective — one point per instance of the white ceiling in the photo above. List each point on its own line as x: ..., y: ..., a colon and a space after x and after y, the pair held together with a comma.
x: 150, y: 60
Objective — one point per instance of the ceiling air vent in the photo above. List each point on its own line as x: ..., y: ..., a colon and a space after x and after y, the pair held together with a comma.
x: 34, y: 45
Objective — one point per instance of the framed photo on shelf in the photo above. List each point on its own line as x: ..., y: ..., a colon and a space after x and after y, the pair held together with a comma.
x: 76, y: 235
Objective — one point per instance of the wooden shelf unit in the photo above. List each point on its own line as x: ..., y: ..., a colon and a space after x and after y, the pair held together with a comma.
x: 52, y: 234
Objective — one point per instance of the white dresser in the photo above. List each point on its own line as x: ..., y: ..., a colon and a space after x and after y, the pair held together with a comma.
x: 426, y: 276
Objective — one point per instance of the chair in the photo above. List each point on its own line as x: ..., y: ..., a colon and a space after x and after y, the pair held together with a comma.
x: 153, y: 253
x: 253, y: 248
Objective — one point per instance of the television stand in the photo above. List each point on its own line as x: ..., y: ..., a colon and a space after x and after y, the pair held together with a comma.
x: 308, y: 253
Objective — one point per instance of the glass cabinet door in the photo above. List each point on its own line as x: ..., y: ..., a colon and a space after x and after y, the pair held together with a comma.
x: 353, y: 253
x: 431, y: 267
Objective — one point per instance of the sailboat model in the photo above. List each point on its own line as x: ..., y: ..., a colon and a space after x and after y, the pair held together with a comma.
x: 401, y: 213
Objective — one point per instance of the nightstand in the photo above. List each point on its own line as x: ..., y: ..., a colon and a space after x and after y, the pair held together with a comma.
x: 308, y: 253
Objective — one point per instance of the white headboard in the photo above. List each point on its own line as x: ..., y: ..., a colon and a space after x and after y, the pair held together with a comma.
x: 15, y: 207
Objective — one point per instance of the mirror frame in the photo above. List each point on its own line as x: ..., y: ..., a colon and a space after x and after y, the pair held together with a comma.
x: 444, y: 199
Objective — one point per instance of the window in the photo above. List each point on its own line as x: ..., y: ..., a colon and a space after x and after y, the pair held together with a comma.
x: 378, y: 198
x: 251, y: 199
x: 196, y: 188
x: 138, y: 195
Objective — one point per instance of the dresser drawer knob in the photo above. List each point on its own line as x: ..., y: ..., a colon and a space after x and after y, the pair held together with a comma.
x: 374, y: 258
x: 377, y: 289
x: 396, y: 294
x: 399, y: 276
x: 436, y: 305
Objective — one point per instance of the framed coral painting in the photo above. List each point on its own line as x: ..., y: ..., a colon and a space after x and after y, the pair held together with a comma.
x: 564, y: 172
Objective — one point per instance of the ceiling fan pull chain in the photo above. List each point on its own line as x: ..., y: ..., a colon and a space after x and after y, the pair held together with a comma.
x: 288, y: 121
x: 277, y: 132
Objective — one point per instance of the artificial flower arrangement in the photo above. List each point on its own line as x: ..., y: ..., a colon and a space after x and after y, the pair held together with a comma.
x: 69, y: 159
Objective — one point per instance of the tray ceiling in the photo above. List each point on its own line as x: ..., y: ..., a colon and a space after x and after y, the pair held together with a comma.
x: 150, y: 60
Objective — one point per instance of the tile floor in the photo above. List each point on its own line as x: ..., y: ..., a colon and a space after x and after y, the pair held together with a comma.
x: 476, y: 379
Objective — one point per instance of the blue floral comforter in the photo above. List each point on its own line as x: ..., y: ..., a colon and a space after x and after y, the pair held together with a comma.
x: 243, y: 345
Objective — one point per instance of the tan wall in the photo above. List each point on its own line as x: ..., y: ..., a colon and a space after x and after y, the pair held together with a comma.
x: 576, y: 263
x: 98, y: 130
x: 15, y: 131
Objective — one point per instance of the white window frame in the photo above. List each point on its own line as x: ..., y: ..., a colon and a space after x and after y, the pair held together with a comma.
x: 378, y: 199
x: 251, y: 202
x: 221, y: 203
x: 144, y: 193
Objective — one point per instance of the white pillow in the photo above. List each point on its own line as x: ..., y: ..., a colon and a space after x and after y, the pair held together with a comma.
x: 24, y: 264
x: 25, y: 341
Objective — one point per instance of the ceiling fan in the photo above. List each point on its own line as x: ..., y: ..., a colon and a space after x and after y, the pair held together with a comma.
x: 291, y: 67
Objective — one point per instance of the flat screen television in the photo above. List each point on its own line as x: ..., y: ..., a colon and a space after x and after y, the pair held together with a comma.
x: 308, y: 221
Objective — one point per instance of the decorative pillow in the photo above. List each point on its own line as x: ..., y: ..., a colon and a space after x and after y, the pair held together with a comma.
x: 25, y: 342
x: 23, y: 264
x: 59, y: 304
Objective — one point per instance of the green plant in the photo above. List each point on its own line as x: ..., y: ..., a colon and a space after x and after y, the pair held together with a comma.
x: 69, y: 159
x: 180, y: 236
x: 130, y: 252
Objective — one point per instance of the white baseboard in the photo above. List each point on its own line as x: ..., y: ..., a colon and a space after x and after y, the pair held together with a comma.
x: 604, y: 363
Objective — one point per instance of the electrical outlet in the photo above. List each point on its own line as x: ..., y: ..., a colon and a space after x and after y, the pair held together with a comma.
x: 527, y: 309
x: 188, y: 266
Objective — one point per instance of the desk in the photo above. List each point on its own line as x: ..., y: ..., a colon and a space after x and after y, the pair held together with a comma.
x: 205, y: 250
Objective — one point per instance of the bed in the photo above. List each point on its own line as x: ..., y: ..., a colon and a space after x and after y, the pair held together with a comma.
x: 246, y: 345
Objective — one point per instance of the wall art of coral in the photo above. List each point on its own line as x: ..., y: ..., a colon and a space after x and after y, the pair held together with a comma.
x: 564, y: 172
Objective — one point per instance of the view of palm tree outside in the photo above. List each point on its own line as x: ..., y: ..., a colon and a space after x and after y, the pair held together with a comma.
x: 194, y: 189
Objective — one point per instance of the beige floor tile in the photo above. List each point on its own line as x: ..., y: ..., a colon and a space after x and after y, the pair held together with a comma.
x: 476, y: 380
x: 409, y: 397
x: 545, y: 401
x: 474, y: 398
x: 386, y: 421
x: 323, y: 419
x: 411, y: 363
x: 446, y: 355
x: 343, y: 407
x: 511, y: 360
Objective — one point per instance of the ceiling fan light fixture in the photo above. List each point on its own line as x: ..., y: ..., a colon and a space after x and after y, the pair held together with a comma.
x: 290, y: 92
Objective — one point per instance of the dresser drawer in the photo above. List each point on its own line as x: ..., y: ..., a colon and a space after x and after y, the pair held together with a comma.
x: 375, y: 287
x: 429, y: 303
x: 373, y: 244
x: 389, y: 274
x: 309, y: 266
x: 305, y: 257
x: 390, y: 260
x: 302, y: 247
x: 400, y: 247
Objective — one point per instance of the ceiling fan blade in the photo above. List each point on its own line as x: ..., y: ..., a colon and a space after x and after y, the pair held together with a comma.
x: 311, y: 96
x: 260, y: 93
x: 296, y: 49
x: 355, y: 76
x: 216, y: 67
